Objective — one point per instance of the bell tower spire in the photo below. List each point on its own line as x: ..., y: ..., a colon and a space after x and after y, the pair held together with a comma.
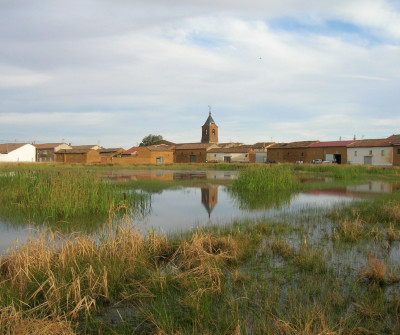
x: 209, y: 131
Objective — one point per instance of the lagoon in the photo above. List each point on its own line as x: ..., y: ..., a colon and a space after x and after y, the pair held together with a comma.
x: 209, y: 201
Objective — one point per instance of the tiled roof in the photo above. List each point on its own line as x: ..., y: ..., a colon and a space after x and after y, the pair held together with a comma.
x: 131, y: 150
x: 110, y: 151
x: 381, y: 142
x: 292, y: 145
x: 230, y: 144
x: 394, y: 139
x: 85, y: 146
x: 47, y: 145
x: 159, y: 147
x: 193, y: 146
x: 262, y: 145
x: 8, y: 147
x: 74, y: 151
x: 238, y: 149
x: 331, y: 144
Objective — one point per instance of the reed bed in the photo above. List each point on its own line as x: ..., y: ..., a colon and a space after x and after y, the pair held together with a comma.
x: 60, y: 194
x: 347, y: 171
x: 265, y: 178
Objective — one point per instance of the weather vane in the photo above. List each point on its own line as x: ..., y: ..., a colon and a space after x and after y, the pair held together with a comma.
x: 209, y: 109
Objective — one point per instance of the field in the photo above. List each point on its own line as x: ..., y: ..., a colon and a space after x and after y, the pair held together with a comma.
x: 331, y: 271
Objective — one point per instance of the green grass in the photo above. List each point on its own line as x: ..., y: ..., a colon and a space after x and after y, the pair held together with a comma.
x: 265, y: 178
x: 59, y: 194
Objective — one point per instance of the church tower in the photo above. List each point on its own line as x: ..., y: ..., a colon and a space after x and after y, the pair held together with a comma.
x: 209, y: 131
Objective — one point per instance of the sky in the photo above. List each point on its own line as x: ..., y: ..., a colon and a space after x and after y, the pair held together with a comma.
x: 110, y: 72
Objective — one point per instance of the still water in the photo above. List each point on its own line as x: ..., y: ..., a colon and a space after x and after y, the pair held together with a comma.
x: 181, y: 209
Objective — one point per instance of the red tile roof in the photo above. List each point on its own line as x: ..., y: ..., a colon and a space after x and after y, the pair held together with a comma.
x: 381, y: 142
x: 193, y: 146
x: 292, y: 145
x: 237, y: 149
x: 47, y: 145
x: 8, y: 147
x: 331, y: 144
x: 394, y: 139
x: 131, y: 151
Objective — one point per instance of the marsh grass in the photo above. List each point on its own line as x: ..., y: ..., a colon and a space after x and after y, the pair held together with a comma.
x: 59, y: 194
x: 215, y: 280
x: 265, y: 178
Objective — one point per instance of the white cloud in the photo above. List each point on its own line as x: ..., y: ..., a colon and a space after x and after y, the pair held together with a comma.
x: 104, y: 65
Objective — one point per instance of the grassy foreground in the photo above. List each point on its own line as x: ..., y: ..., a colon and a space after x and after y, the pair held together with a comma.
x: 244, y: 278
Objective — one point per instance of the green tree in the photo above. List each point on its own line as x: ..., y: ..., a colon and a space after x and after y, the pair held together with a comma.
x: 150, y: 140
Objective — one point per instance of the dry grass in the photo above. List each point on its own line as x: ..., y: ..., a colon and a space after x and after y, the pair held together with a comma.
x: 349, y: 230
x: 374, y: 271
x: 17, y: 323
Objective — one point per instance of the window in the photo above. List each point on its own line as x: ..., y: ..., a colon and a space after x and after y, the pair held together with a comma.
x: 383, y: 153
x: 206, y: 132
x: 215, y: 155
x: 302, y: 154
x: 370, y: 152
x: 355, y: 153
x: 398, y: 151
x: 213, y: 131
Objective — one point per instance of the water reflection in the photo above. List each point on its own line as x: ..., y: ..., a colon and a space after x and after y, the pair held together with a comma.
x: 168, y: 175
x: 186, y: 207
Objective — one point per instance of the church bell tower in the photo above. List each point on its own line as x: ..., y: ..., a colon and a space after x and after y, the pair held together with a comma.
x: 209, y: 131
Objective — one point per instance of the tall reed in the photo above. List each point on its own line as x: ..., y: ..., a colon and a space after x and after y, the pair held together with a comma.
x: 266, y: 178
x: 60, y: 194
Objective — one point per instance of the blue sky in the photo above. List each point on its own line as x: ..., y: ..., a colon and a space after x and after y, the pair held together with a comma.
x: 111, y: 72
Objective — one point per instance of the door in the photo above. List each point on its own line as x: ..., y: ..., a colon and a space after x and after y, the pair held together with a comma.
x: 368, y: 160
x: 227, y: 159
x: 192, y: 158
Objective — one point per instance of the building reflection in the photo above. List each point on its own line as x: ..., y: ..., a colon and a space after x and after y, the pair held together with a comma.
x: 209, y: 197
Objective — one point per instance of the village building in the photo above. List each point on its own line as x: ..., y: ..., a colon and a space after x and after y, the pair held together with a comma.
x: 261, y: 151
x: 395, y: 141
x: 293, y: 152
x: 107, y: 155
x: 17, y: 152
x: 78, y: 156
x: 152, y: 154
x: 192, y: 152
x: 332, y: 151
x: 46, y: 152
x: 370, y: 152
x: 237, y: 154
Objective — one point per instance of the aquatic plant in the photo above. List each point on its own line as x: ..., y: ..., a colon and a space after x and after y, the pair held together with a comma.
x: 265, y: 178
x: 59, y: 194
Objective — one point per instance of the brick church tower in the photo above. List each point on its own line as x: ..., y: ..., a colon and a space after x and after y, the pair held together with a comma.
x: 209, y: 131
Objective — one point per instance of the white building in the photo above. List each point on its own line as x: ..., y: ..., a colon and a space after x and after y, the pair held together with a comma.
x: 239, y: 154
x: 17, y: 152
x: 372, y: 152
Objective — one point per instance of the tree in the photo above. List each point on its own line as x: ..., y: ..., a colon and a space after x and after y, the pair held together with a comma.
x: 150, y: 140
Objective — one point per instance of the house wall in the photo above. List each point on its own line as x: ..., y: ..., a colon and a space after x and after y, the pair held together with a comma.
x: 259, y: 157
x: 91, y: 156
x: 379, y: 155
x: 396, y: 155
x: 288, y: 155
x: 235, y: 157
x: 183, y: 155
x: 146, y: 156
x: 45, y: 155
x: 26, y: 153
x: 321, y: 152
